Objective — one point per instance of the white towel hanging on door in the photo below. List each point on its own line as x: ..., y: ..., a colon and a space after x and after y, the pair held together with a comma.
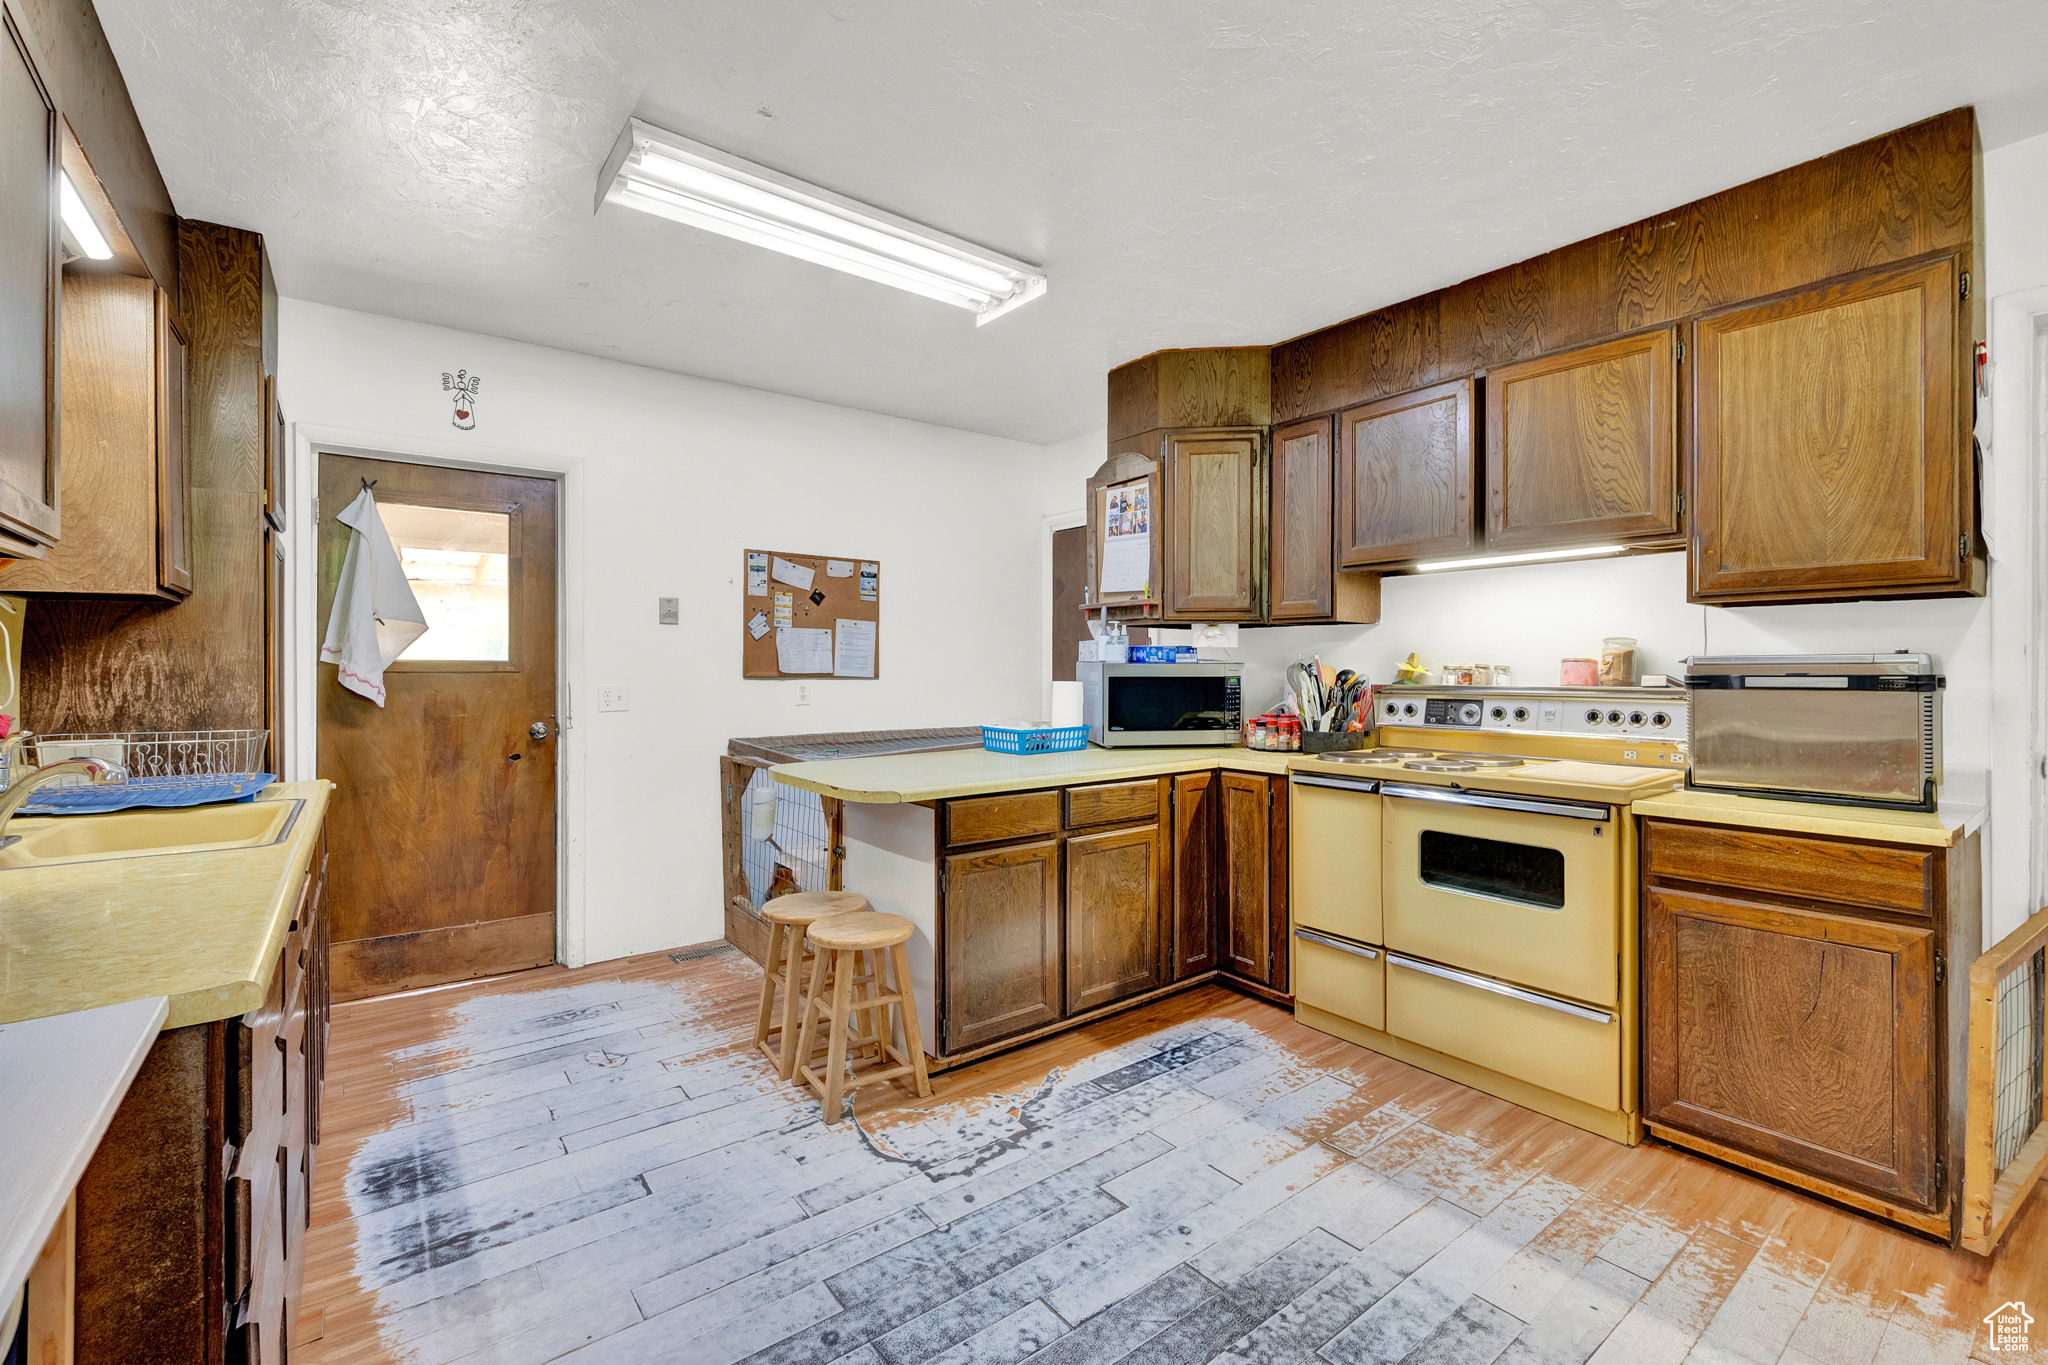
x: 375, y: 614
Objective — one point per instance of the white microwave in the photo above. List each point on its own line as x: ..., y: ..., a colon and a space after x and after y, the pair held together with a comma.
x: 1162, y: 704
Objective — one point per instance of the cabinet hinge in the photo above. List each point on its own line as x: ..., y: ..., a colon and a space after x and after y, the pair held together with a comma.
x: 1964, y: 284
x: 1941, y: 1173
x: 1681, y: 503
x: 1679, y: 354
x: 1940, y: 967
x: 1963, y: 545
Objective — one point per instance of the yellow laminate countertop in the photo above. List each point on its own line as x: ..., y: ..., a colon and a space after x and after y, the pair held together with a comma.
x: 938, y: 775
x: 1943, y: 828
x: 201, y: 929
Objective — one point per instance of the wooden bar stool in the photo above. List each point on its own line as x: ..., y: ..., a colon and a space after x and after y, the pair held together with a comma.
x: 787, y: 966
x: 837, y: 945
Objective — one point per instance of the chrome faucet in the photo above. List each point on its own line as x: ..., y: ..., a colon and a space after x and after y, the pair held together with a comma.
x: 16, y: 795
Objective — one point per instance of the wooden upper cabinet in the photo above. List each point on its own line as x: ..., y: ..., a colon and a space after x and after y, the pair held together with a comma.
x: 127, y: 476
x: 29, y: 258
x: 1404, y: 476
x: 1003, y: 950
x: 1803, y: 1038
x: 1214, y: 508
x: 1302, y: 582
x: 1116, y: 915
x: 1582, y: 447
x: 1832, y: 454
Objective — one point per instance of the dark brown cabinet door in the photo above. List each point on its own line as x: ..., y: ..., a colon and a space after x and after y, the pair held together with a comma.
x: 1254, y: 846
x: 1116, y: 921
x: 28, y: 296
x: 1003, y: 951
x: 1197, y: 806
x: 1404, y: 476
x: 173, y: 461
x: 1303, y: 570
x: 1802, y: 1037
x: 1213, y: 509
x: 1831, y: 447
x: 1582, y: 447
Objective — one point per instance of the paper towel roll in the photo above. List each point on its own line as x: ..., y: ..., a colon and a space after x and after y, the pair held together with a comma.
x: 1066, y: 703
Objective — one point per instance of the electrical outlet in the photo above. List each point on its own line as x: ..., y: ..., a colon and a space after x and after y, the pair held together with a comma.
x: 612, y: 697
x: 670, y: 611
x: 803, y: 694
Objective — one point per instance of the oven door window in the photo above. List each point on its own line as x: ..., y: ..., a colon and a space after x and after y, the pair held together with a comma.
x: 1168, y: 703
x: 1521, y: 873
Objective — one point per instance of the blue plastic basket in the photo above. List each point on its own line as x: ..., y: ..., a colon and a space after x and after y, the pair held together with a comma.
x: 1033, y: 739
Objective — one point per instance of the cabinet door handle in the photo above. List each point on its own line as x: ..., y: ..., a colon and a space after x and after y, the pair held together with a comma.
x: 1338, y: 783
x: 1355, y: 949
x: 1577, y: 810
x: 1487, y: 983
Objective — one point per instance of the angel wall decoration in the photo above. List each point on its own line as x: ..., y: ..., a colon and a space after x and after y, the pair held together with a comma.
x: 463, y: 385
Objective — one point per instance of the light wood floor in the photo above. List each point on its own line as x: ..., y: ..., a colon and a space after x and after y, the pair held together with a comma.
x: 596, y: 1159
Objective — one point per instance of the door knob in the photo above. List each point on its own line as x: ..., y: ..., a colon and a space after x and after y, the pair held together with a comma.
x: 539, y: 729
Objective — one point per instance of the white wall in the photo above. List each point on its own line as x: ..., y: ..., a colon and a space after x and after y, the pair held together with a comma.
x: 670, y: 478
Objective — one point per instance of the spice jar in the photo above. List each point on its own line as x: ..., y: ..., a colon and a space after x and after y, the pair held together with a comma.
x: 1618, y: 661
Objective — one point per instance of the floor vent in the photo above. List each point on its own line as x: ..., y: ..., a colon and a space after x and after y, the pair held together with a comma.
x: 699, y: 954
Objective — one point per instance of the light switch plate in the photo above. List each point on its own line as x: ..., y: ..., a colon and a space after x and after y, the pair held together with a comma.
x: 612, y: 696
x: 671, y: 611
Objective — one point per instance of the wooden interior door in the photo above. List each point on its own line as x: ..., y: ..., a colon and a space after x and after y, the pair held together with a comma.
x: 1002, y: 950
x: 1582, y: 447
x: 1115, y: 928
x: 443, y: 821
x: 1213, y: 510
x: 1404, y: 476
x: 1831, y: 445
x: 1803, y: 1037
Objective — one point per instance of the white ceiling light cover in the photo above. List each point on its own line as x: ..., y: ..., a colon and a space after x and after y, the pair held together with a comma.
x: 664, y: 173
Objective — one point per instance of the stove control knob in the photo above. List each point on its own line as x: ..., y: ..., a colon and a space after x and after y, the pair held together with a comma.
x: 1592, y: 718
x: 1468, y: 713
x: 1407, y: 708
x: 1638, y: 718
x: 1498, y: 713
x: 1393, y: 708
x: 1521, y: 713
x: 1660, y: 719
x: 1614, y: 717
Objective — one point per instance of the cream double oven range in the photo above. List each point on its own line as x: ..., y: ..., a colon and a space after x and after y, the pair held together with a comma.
x: 1464, y: 896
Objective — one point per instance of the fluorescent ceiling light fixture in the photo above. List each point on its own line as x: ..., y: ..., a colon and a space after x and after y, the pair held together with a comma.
x: 663, y: 173
x: 1529, y: 557
x: 78, y: 219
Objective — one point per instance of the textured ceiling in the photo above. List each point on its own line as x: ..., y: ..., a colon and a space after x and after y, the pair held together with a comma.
x: 1189, y: 172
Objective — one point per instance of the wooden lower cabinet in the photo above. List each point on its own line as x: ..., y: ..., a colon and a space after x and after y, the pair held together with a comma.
x: 1197, y: 805
x: 193, y: 1212
x: 1252, y: 814
x: 1809, y: 1039
x: 1115, y: 914
x: 1003, y: 949
x: 1037, y: 932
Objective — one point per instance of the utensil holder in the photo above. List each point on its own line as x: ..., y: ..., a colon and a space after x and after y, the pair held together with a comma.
x: 1330, y: 741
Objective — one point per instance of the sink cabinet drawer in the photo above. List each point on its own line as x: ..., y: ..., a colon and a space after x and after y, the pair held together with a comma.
x: 1011, y: 815
x: 1562, y: 1047
x: 1877, y: 876
x: 1110, y: 802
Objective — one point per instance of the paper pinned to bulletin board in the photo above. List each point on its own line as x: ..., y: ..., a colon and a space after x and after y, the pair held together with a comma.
x: 810, y: 616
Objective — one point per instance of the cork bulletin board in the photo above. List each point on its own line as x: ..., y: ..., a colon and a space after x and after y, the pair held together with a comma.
x: 810, y: 616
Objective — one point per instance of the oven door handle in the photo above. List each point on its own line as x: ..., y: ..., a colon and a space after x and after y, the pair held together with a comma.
x: 1576, y: 810
x: 1338, y: 783
x: 1355, y: 949
x: 1487, y: 983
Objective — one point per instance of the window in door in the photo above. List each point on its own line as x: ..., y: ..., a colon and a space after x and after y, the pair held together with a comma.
x: 458, y: 562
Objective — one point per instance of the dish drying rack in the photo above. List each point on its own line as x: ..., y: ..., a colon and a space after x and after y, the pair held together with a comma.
x: 159, y: 768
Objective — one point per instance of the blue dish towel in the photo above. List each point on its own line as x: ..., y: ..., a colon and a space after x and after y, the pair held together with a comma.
x: 146, y: 791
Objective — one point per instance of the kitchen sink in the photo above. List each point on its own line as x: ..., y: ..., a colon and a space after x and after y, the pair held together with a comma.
x: 47, y: 840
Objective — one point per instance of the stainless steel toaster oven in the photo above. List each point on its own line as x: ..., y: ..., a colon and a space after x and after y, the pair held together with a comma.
x: 1847, y: 729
